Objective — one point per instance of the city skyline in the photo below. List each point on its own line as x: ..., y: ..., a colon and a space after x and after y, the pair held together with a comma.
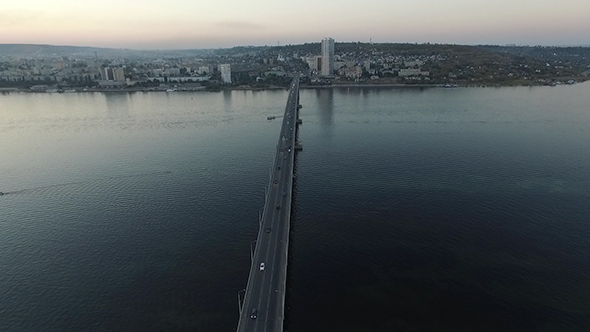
x: 182, y: 24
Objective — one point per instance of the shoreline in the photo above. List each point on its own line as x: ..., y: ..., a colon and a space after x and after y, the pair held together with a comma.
x: 303, y: 87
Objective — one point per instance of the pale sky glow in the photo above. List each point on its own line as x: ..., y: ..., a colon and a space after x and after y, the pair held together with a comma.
x: 175, y: 24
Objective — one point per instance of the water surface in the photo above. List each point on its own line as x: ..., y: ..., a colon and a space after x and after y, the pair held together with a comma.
x: 416, y: 209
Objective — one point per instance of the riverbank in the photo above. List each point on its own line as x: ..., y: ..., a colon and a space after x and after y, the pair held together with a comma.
x: 310, y: 87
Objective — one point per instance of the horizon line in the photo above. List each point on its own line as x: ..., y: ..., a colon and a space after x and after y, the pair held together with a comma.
x: 289, y: 45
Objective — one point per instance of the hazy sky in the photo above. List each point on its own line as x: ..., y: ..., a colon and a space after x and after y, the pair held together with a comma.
x: 166, y: 24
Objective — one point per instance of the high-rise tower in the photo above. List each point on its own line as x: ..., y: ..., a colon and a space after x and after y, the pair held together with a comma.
x: 225, y: 70
x: 327, y: 56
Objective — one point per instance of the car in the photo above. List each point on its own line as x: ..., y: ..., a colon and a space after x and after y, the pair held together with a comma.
x: 268, y: 229
x: 291, y: 128
x: 276, y: 181
x: 281, y: 150
x: 289, y: 150
x: 279, y: 168
x: 278, y: 207
x: 254, y: 313
x: 261, y: 266
x: 284, y: 194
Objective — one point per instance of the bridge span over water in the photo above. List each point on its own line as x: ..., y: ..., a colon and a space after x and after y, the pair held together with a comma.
x: 263, y: 305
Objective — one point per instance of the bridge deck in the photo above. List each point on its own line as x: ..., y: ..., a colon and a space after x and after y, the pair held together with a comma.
x: 264, y: 300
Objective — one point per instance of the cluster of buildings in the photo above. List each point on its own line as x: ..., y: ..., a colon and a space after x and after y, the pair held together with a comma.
x: 53, y: 70
x: 238, y: 66
x: 269, y: 66
x: 369, y: 65
x: 323, y: 64
x: 107, y: 72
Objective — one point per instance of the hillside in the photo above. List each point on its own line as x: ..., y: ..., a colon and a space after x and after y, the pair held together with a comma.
x: 44, y: 51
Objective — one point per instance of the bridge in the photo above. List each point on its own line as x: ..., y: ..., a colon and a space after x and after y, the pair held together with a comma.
x: 263, y: 305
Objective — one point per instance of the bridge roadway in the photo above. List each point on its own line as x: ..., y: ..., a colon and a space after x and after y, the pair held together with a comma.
x: 264, y: 300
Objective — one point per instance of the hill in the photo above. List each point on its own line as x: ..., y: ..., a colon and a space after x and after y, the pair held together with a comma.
x: 44, y: 51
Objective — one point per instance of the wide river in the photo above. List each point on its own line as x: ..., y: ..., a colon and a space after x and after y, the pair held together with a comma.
x: 462, y: 209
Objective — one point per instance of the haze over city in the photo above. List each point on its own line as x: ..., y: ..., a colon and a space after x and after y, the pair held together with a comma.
x: 181, y: 24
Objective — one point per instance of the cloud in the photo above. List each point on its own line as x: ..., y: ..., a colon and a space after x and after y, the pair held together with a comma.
x: 240, y: 25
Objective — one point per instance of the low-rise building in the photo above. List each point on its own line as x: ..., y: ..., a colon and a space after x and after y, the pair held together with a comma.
x: 412, y: 72
x: 40, y: 87
x: 351, y: 72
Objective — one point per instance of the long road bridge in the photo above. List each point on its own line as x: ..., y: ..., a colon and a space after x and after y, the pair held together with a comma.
x: 263, y: 304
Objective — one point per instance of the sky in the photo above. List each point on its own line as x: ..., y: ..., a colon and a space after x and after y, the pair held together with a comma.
x: 192, y: 24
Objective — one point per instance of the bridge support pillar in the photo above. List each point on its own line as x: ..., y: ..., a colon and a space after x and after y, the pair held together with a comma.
x: 252, y: 249
x: 240, y: 300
